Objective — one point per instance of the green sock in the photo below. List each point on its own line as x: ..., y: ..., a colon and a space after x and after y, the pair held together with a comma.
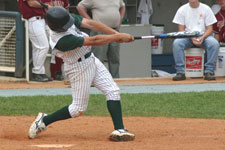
x: 61, y: 114
x: 115, y: 111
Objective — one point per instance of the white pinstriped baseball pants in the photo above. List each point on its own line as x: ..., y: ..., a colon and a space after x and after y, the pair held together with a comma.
x: 82, y: 75
x: 40, y: 44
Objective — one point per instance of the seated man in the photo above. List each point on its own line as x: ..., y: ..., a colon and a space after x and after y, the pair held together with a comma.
x: 195, y: 16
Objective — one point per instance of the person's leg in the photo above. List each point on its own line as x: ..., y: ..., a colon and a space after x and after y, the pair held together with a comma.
x: 113, y: 56
x: 179, y: 45
x: 105, y: 83
x: 80, y: 86
x: 40, y: 45
x: 211, y: 45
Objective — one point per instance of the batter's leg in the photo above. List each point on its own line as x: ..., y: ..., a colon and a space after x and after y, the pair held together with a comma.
x: 105, y: 83
x: 81, y: 76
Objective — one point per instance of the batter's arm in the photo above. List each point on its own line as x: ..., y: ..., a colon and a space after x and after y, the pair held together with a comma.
x: 105, y: 39
x: 97, y: 26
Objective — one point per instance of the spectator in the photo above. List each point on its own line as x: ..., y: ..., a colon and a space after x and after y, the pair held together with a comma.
x: 215, y: 8
x: 195, y: 16
x: 34, y: 12
x: 111, y: 14
x: 218, y: 27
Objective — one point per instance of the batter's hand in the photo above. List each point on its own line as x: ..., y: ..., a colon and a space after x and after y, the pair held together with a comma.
x: 124, y: 37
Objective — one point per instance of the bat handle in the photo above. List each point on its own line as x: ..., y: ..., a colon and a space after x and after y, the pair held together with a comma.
x: 138, y: 38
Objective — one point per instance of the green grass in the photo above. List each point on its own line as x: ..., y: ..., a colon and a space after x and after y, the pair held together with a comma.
x: 191, y: 105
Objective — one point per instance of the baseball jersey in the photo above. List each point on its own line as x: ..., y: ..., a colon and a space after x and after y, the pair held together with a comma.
x: 195, y: 19
x: 220, y: 16
x: 27, y: 11
x: 104, y: 11
x: 69, y: 45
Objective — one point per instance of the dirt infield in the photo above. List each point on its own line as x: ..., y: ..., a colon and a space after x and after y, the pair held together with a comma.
x: 91, y: 133
x: 120, y: 82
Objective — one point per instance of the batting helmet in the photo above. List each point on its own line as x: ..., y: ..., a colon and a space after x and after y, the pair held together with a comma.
x: 58, y: 19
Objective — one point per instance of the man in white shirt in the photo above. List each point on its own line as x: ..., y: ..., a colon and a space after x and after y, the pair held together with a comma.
x: 195, y: 16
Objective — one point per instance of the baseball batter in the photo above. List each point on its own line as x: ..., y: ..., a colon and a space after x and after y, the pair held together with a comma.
x: 83, y: 69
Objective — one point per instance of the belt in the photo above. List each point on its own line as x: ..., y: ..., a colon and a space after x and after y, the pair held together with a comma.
x: 39, y: 17
x: 35, y: 18
x: 85, y: 56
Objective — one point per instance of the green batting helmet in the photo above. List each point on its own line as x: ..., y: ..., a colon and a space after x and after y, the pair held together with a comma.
x: 58, y: 19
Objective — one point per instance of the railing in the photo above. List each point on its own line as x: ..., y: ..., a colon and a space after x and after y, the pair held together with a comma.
x: 12, y: 44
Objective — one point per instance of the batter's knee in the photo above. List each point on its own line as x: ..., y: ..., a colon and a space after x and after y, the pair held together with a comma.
x: 79, y: 113
x: 114, y: 94
x: 76, y: 111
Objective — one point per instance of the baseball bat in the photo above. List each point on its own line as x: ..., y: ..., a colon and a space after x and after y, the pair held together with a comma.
x: 43, y: 4
x: 170, y: 35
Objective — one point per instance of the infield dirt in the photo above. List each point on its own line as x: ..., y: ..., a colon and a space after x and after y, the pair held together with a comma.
x: 91, y: 133
x: 120, y: 82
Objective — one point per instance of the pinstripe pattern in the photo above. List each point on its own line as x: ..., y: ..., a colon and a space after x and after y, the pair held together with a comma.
x: 83, y: 74
x: 72, y: 56
x: 104, y: 82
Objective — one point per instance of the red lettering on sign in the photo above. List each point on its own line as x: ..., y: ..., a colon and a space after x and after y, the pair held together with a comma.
x: 155, y: 42
x: 193, y: 62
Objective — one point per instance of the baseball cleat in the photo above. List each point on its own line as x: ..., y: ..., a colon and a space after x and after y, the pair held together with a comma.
x: 121, y: 135
x: 37, y: 126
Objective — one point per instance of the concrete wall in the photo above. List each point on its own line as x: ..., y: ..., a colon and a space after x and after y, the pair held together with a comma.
x: 164, y: 11
x: 135, y: 57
